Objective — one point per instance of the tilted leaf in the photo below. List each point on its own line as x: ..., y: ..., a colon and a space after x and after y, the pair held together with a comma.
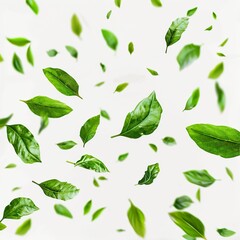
x: 118, y: 3
x: 4, y: 121
x: 190, y: 12
x: 33, y: 5
x: 52, y: 52
x: 87, y: 208
x: 131, y: 47
x: 224, y: 232
x: 17, y: 63
x: 76, y: 25
x: 110, y: 39
x: 66, y: 145
x: 24, y: 143
x: 11, y: 165
x: 1, y: 58
x: 152, y: 72
x: 209, y: 28
x: 95, y: 183
x: 189, y: 237
x: 214, y: 15
x: 121, y: 87
x: 221, y: 99
x: 24, y: 227
x: 153, y: 147
x: 156, y: 3
x: 123, y: 157
x: 44, y: 123
x: 97, y: 213
x: 198, y: 195
x: 151, y: 173
x: 170, y: 141
x: 217, y: 71
x: 103, y: 67
x: 193, y: 100
x: 109, y: 14
x: 30, y: 57
x: 2, y: 226
x: 229, y: 173
x: 62, y: 210
x: 224, y: 43
x: 19, y: 41
x: 105, y: 114
x: 73, y: 51
x: 182, y: 202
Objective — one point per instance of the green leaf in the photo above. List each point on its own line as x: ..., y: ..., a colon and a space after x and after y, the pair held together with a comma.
x: 120, y: 230
x: 95, y: 183
x: 56, y: 189
x: 4, y: 121
x: 97, y: 213
x: 62, y: 81
x: 182, y: 202
x: 144, y: 119
x: 156, y: 3
x: 52, y: 52
x: 19, y: 207
x: 118, y: 3
x: 67, y: 145
x: 150, y: 174
x: 199, y: 177
x: 224, y: 43
x: 24, y: 227
x: 198, y: 195
x: 190, y: 12
x: 102, y: 178
x: 76, y: 25
x: 175, y: 31
x: 1, y: 58
x: 131, y: 47
x: 221, y: 54
x: 217, y: 71
x: 15, y: 189
x: 188, y: 55
x: 91, y: 163
x: 190, y: 224
x: 30, y: 57
x: 169, y: 141
x: 221, y: 99
x: 24, y: 143
x: 44, y: 123
x: 193, y: 100
x: 109, y: 14
x: 229, y: 173
x: 219, y: 140
x: 33, y: 5
x: 105, y: 114
x: 224, y: 232
x: 152, y: 72
x: 89, y: 129
x: 11, y: 165
x: 47, y: 107
x: 189, y: 237
x: 73, y: 51
x: 87, y: 208
x: 121, y: 87
x: 17, y: 63
x: 99, y: 84
x: 110, y: 39
x: 153, y: 147
x: 209, y: 28
x: 2, y: 226
x: 103, y: 67
x: 62, y: 210
x: 214, y: 15
x: 19, y: 41
x: 123, y: 157
x: 137, y: 220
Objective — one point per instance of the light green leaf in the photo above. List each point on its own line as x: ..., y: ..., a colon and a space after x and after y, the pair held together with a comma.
x: 182, y: 202
x: 121, y: 87
x: 52, y: 52
x: 229, y: 173
x: 1, y: 58
x: 15, y: 189
x: 216, y: 71
x: 19, y: 41
x: 2, y: 226
x: 73, y: 51
x: 224, y: 43
x: 153, y: 147
x: 110, y: 39
x: 30, y: 57
x: 156, y: 3
x: 97, y: 213
x: 152, y: 72
x: 150, y: 174
x: 24, y: 227
x: 33, y: 5
x: 105, y: 114
x: 99, y: 84
x: 87, y: 208
x: 221, y: 99
x: 102, y: 178
x: 190, y: 12
x: 17, y: 63
x: 109, y: 14
x: 76, y: 25
x: 221, y: 54
x: 224, y: 232
x: 62, y: 210
x: 198, y: 195
x: 66, y: 145
x: 193, y: 100
x: 131, y: 47
x: 11, y: 165
x: 189, y: 237
x: 123, y: 157
x: 95, y: 183
x: 44, y: 123
x: 169, y: 141
x: 4, y: 121
x: 118, y: 3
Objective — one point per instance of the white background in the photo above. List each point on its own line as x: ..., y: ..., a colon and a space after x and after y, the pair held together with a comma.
x: 137, y: 21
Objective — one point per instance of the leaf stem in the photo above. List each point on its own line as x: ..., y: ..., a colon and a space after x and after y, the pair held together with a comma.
x: 166, y: 49
x: 70, y: 162
x: 115, y: 136
x: 35, y: 183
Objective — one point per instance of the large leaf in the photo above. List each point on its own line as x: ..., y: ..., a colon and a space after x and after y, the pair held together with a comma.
x: 47, y: 107
x: 89, y: 129
x: 193, y: 100
x: 62, y: 81
x: 188, y: 55
x: 24, y: 227
x: 144, y: 119
x: 219, y: 140
x: 62, y: 210
x: 4, y: 121
x: 33, y: 5
x: 182, y: 202
x: 56, y: 189
x: 76, y: 25
x: 110, y: 39
x: 150, y: 174
x: 24, y: 143
x: 137, y: 219
x: 175, y: 31
x: 190, y: 224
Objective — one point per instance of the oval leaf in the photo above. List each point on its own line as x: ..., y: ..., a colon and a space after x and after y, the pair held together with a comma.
x: 33, y: 5
x: 76, y: 25
x: 97, y: 213
x: 110, y: 39
x: 67, y: 145
x: 87, y: 207
x: 19, y: 41
x: 217, y: 71
x: 73, y: 51
x: 190, y: 12
x: 121, y: 87
x: 17, y: 63
x: 24, y: 227
x: 193, y: 100
x: 221, y: 99
x: 156, y: 3
x: 151, y: 173
x: 224, y: 232
x: 182, y: 202
x: 62, y: 210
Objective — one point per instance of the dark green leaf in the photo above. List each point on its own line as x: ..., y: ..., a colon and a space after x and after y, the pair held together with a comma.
x: 24, y: 143
x: 104, y: 114
x: 52, y: 52
x: 121, y: 87
x: 219, y: 140
x: 103, y: 67
x: 198, y: 195
x: 17, y: 63
x: 123, y: 157
x: 153, y: 147
x: 190, y: 12
x: 121, y: 230
x: 76, y: 25
x: 24, y: 227
x: 19, y: 41
x: 221, y: 54
x: 144, y: 119
x: 223, y: 43
x: 89, y: 129
x: 193, y: 100
x: 102, y: 178
x: 175, y: 31
x: 229, y: 173
x: 217, y: 71
x: 156, y: 3
x: 109, y: 14
x: 67, y: 145
x: 190, y: 224
x: 169, y: 141
x: 30, y: 57
x: 97, y: 213
x: 188, y: 55
x: 110, y: 39
x: 73, y: 51
x: 209, y: 28
x: 182, y: 202
x: 221, y: 99
x: 33, y: 5
x: 4, y: 121
x: 214, y: 15
x: 95, y: 183
x: 87, y: 207
x: 199, y: 177
x: 62, y: 81
x: 44, y: 123
x: 62, y: 210
x: 60, y: 190
x: 47, y: 107
x: 131, y: 47
x: 137, y: 220
x: 150, y: 174
x: 11, y: 165
x: 224, y: 232
x: 118, y: 3
x: 152, y: 72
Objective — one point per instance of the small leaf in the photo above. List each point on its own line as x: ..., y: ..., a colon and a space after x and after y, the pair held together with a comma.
x: 11, y: 165
x: 109, y: 14
x: 102, y: 178
x: 15, y: 189
x: 189, y: 237
x: 2, y: 226
x: 120, y: 230
x: 224, y: 232
x: 17, y: 63
x: 99, y: 84
x: 229, y: 173
x: 121, y: 87
x: 73, y: 51
x: 150, y: 174
x: 24, y: 143
x: 199, y: 177
x: 198, y: 195
x: 193, y: 100
x: 56, y: 189
x: 190, y: 12
x: 190, y: 224
x: 131, y: 47
x: 221, y: 99
x: 44, y: 123
x: 97, y: 213
x: 24, y: 227
x: 52, y: 52
x: 217, y: 71
x: 104, y: 114
x: 156, y: 3
x: 224, y: 43
x: 118, y: 3
x: 76, y: 25
x: 19, y: 41
x: 152, y: 72
x: 95, y: 183
x: 221, y: 54
x: 123, y: 157
x: 30, y: 57
x: 4, y: 121
x: 67, y: 145
x: 214, y: 15
x: 103, y: 67
x: 153, y: 147
x: 62, y: 81
x: 89, y: 129
x: 209, y: 28
x: 137, y: 220
x: 110, y: 39
x: 1, y: 58
x: 33, y: 5
x: 169, y: 141
x: 62, y: 210
x: 87, y: 208
x: 182, y: 202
